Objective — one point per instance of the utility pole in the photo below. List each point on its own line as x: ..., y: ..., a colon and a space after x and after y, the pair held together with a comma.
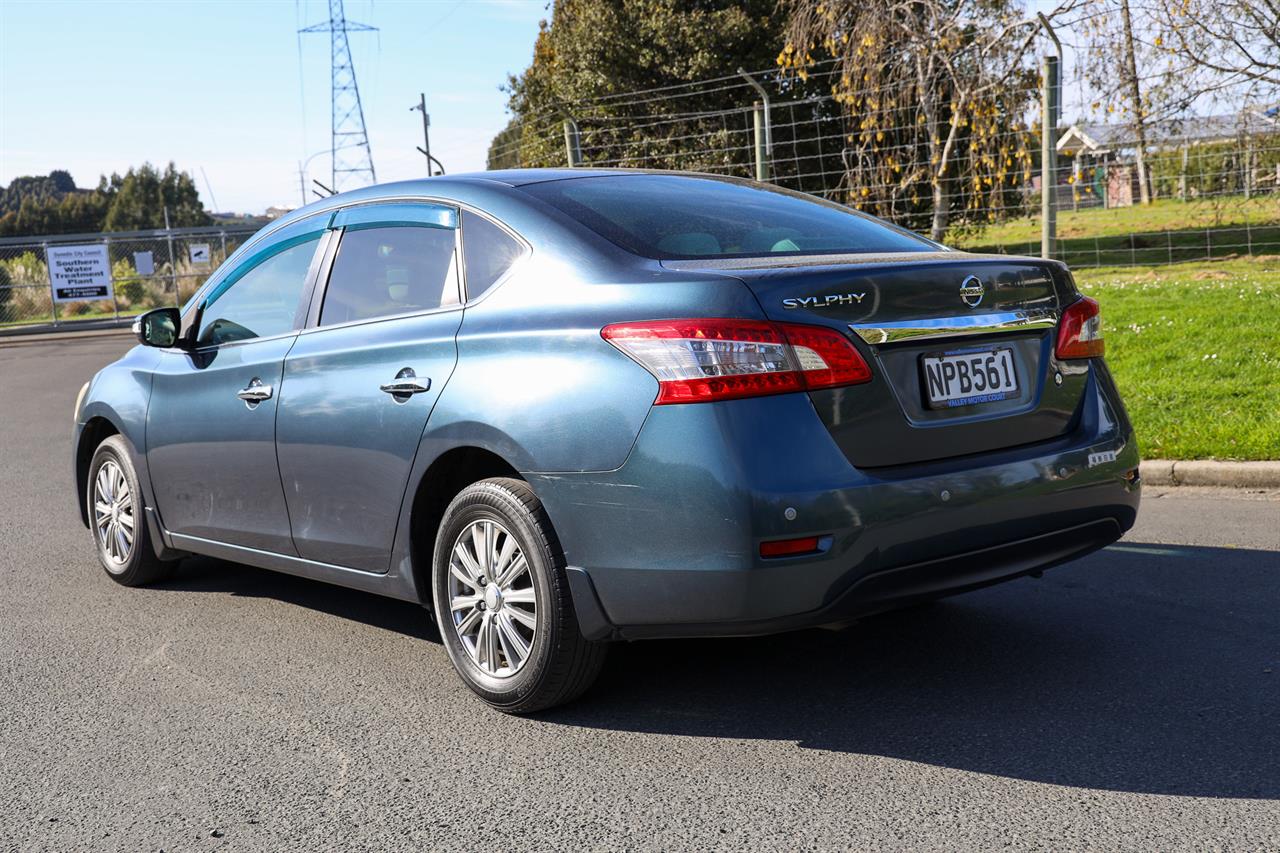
x: 1135, y: 94
x: 347, y: 114
x: 425, y: 148
x: 302, y: 174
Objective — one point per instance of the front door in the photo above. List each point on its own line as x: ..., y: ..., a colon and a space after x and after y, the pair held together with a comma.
x: 212, y: 417
x: 360, y: 382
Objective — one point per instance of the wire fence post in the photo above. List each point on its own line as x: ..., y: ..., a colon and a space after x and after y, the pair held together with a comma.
x: 1048, y: 154
x: 111, y: 279
x: 572, y: 143
x: 764, y: 122
x: 48, y: 271
x: 757, y: 121
x: 1050, y: 105
x: 173, y: 265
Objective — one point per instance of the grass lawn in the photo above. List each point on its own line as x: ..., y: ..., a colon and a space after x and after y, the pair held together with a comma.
x: 1195, y: 349
x: 1166, y: 231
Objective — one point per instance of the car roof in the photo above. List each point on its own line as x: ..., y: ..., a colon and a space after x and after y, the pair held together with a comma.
x: 521, y: 177
x: 458, y: 187
x: 448, y: 186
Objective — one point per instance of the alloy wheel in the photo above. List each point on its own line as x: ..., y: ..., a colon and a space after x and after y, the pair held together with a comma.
x: 113, y: 515
x: 492, y: 604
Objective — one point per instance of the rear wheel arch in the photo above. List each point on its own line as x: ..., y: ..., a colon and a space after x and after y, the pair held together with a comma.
x: 448, y: 475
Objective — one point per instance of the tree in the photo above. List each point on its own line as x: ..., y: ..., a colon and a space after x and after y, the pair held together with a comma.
x: 1130, y: 73
x: 504, y: 149
x: 41, y: 189
x: 6, y: 291
x: 1238, y: 40
x: 52, y: 204
x: 140, y: 198
x: 1135, y: 94
x: 592, y: 52
x: 934, y: 93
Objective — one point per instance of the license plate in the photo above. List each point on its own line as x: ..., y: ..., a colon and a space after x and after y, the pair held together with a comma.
x: 970, y: 376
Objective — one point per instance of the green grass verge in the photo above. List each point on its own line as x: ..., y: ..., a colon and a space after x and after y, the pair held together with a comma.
x: 1195, y: 349
x: 1166, y: 231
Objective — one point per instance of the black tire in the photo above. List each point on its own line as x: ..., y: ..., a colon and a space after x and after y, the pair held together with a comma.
x: 141, y: 565
x: 560, y: 664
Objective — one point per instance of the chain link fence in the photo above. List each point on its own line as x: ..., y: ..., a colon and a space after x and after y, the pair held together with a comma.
x: 148, y: 269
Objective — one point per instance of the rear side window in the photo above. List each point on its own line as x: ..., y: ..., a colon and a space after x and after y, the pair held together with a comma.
x: 260, y: 302
x: 488, y: 251
x: 388, y: 270
x: 677, y: 217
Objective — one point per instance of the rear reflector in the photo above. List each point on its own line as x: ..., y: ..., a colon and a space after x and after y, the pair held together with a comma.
x: 699, y: 361
x: 1080, y: 330
x: 789, y: 547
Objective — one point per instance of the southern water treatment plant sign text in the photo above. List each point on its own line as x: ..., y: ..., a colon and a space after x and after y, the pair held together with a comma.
x: 79, y: 273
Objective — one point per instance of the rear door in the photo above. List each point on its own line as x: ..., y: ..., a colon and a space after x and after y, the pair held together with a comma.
x: 961, y: 348
x: 361, y: 380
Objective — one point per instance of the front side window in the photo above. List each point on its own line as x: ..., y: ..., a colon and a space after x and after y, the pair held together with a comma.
x: 488, y: 252
x: 678, y: 217
x: 381, y: 271
x: 261, y: 301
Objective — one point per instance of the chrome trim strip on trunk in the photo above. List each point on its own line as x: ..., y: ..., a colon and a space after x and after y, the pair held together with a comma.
x: 954, y: 327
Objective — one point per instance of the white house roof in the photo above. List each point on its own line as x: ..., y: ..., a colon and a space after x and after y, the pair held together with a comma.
x: 1104, y: 138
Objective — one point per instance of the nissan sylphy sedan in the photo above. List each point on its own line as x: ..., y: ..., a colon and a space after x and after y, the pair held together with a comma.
x: 563, y: 408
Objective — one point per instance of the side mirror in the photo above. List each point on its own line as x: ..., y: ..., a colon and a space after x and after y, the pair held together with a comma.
x: 158, y: 328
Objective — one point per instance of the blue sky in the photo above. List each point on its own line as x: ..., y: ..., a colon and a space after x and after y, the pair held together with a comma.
x: 95, y: 87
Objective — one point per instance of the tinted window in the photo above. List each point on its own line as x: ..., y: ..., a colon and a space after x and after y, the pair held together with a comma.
x: 488, y: 250
x: 668, y: 216
x: 382, y: 271
x: 262, y: 301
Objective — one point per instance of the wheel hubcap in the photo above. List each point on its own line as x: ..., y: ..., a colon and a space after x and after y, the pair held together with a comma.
x: 491, y: 598
x: 113, y: 517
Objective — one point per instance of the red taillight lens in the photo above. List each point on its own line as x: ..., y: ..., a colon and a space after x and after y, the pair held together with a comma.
x: 698, y: 361
x: 789, y: 547
x: 1080, y: 330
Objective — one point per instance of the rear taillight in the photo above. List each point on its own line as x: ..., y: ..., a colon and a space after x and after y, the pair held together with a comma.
x: 1080, y: 330
x: 698, y: 361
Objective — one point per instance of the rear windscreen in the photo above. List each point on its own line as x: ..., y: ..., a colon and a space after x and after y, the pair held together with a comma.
x: 678, y: 217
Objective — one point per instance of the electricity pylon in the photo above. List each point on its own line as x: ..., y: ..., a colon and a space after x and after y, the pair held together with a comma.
x: 350, y: 143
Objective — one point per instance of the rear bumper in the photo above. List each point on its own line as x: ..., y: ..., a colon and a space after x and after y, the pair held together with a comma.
x: 890, y: 589
x: 668, y: 545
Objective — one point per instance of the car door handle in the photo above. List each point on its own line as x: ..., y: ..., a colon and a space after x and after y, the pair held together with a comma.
x: 406, y: 383
x: 255, y: 393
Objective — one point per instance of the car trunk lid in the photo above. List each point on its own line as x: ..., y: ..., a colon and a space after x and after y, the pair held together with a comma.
x: 912, y: 315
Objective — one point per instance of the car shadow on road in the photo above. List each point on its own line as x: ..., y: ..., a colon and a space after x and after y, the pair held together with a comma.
x: 1143, y: 668
x: 206, y: 574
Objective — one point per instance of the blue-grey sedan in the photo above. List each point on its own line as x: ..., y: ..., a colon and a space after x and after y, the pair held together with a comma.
x: 561, y: 408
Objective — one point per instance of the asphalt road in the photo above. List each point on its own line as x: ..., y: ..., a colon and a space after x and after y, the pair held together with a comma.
x: 1128, y: 701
